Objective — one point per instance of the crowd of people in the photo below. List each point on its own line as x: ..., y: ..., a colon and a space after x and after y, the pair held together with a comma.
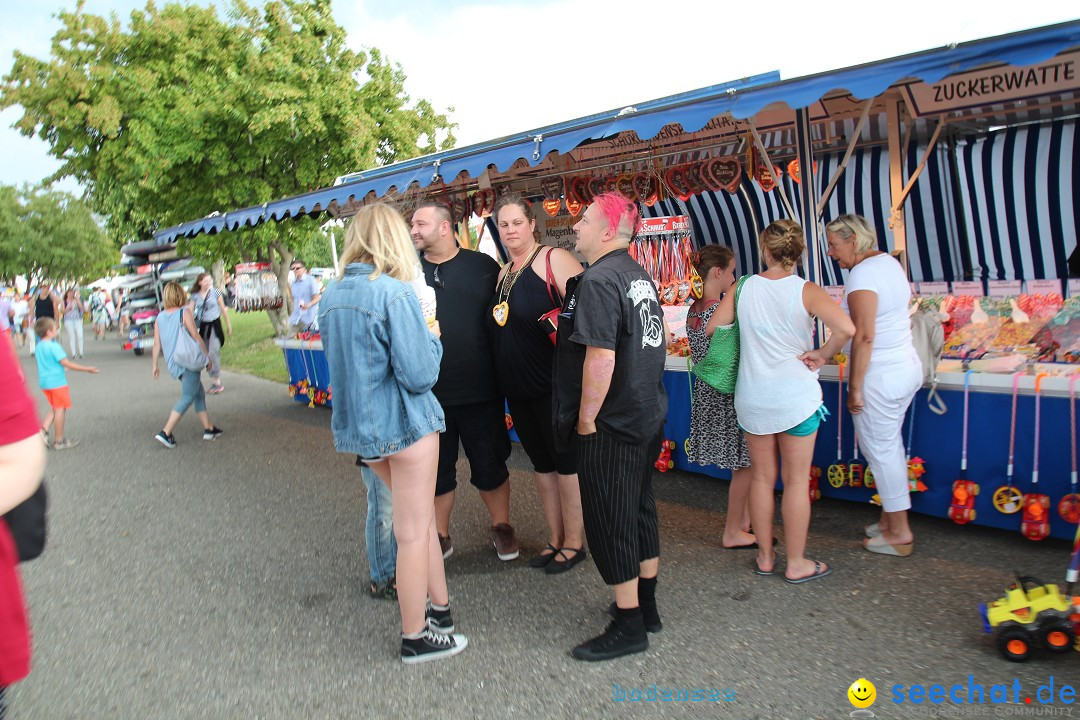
x: 578, y: 357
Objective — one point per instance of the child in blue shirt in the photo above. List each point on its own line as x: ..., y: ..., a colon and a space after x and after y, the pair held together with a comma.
x: 52, y: 362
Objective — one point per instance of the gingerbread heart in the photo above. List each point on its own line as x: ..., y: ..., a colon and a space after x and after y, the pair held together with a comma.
x: 692, y: 175
x: 573, y: 206
x: 579, y: 186
x: 551, y: 207
x: 677, y: 183
x: 624, y: 185
x: 597, y: 186
x: 726, y: 173
x: 552, y: 188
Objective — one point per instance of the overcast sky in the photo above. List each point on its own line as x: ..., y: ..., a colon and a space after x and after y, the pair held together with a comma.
x: 512, y: 66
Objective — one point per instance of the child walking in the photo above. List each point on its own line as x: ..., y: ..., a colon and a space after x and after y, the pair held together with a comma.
x: 52, y: 363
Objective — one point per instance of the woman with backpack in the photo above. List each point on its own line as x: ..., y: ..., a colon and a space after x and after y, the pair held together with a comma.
x: 884, y: 373
x: 208, y: 307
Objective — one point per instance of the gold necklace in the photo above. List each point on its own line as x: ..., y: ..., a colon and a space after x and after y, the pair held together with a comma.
x: 501, y: 311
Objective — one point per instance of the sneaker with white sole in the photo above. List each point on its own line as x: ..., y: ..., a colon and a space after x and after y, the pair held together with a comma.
x: 505, y: 542
x: 165, y: 439
x: 440, y: 621
x: 212, y: 434
x: 45, y: 438
x: 65, y: 444
x: 446, y: 546
x: 431, y: 646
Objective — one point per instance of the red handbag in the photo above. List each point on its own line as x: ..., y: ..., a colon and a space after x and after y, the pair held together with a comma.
x: 550, y: 319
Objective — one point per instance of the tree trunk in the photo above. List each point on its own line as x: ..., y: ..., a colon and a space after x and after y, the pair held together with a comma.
x: 217, y: 272
x: 280, y: 318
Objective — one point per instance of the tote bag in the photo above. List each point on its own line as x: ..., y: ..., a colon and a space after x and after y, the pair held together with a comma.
x: 187, y: 353
x: 719, y: 368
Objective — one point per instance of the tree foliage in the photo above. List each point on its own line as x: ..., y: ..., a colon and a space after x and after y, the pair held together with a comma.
x: 46, y: 234
x: 183, y: 113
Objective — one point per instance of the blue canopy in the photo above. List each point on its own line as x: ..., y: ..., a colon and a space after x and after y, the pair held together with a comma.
x: 693, y: 110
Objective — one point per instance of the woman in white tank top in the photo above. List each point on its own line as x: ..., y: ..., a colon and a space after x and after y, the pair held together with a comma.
x: 777, y: 395
x: 885, y: 372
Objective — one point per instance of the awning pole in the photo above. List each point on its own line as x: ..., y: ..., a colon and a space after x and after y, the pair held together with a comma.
x: 847, y: 156
x: 918, y: 170
x: 765, y: 156
x: 896, y: 177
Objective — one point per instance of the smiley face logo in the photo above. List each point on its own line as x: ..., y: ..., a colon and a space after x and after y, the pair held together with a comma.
x: 862, y: 693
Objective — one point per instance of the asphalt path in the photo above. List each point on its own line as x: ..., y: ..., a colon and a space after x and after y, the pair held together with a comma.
x: 227, y: 579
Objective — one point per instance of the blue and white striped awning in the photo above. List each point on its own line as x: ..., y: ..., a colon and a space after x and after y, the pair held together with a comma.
x: 693, y: 110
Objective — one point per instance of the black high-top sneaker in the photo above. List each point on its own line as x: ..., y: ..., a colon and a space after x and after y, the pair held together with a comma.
x: 431, y: 646
x: 624, y: 635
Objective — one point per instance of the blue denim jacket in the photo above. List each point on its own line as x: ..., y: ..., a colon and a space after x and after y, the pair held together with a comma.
x: 383, y: 363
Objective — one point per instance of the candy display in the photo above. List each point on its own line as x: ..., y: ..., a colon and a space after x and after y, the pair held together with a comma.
x: 663, y: 247
x: 257, y: 288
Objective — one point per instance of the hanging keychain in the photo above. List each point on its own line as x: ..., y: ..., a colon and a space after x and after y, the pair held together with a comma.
x: 1069, y: 507
x: 1035, y: 523
x: 1007, y: 498
x: 697, y: 285
x: 964, y: 491
x: 916, y: 466
x: 838, y: 471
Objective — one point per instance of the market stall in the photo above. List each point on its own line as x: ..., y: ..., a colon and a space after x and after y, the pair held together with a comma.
x: 963, y: 158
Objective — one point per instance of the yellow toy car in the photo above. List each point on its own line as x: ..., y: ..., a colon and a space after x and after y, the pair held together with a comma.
x: 1031, y: 611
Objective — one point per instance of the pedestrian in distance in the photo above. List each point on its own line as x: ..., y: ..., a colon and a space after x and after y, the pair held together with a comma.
x: 166, y: 333
x: 52, y: 364
x: 74, y: 309
x: 208, y: 307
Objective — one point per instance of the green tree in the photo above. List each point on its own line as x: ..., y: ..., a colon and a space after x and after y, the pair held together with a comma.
x: 184, y: 113
x: 45, y: 234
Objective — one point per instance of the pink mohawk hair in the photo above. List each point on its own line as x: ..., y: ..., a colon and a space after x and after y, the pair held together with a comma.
x: 622, y: 214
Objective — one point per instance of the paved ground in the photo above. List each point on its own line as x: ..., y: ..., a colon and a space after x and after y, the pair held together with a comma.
x: 225, y: 580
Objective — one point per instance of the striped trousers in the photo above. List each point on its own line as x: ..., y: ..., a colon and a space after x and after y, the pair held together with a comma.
x: 617, y: 503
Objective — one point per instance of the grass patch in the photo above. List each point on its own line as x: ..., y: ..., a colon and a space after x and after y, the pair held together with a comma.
x: 251, y: 348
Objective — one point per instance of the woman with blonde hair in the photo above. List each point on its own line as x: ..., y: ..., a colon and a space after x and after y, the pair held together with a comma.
x: 885, y: 371
x: 777, y: 396
x: 384, y: 360
x: 167, y: 328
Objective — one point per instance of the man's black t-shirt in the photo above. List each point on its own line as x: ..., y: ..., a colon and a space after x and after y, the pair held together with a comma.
x: 467, y: 373
x: 613, y: 305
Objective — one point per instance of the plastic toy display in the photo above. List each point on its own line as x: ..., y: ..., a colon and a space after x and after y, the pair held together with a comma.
x: 838, y: 471
x: 1007, y: 498
x: 1031, y: 613
x: 1035, y: 522
x: 815, y: 483
x: 257, y: 288
x: 664, y: 462
x: 1069, y: 506
x: 962, y: 507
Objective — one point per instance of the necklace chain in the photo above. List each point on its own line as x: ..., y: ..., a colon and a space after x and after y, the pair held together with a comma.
x: 512, y: 276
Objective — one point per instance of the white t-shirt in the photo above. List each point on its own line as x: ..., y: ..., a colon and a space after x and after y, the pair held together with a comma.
x: 883, y: 275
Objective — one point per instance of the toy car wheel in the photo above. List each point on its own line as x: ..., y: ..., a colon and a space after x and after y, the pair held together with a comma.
x: 138, y: 352
x: 1058, y: 635
x: 1014, y: 643
x: 972, y: 516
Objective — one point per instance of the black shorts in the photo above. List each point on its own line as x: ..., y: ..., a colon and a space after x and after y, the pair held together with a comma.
x: 536, y: 431
x: 481, y: 429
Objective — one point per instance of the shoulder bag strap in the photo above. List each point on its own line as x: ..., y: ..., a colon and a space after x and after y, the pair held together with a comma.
x: 551, y: 280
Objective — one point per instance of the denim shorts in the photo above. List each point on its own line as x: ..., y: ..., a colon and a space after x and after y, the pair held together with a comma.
x: 810, y: 424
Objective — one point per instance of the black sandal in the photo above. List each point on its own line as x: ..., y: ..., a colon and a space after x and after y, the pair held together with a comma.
x: 387, y: 590
x: 560, y: 566
x: 541, y: 559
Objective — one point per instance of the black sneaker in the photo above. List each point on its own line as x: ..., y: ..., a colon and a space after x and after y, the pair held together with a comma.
x: 440, y: 621
x: 623, y: 636
x: 212, y: 434
x: 651, y: 619
x: 165, y: 439
x: 431, y: 646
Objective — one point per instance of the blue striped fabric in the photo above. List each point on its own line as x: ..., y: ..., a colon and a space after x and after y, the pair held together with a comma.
x: 1012, y: 206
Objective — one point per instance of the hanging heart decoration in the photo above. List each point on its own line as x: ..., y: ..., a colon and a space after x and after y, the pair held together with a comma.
x: 609, y: 184
x: 552, y: 188
x: 766, y: 179
x: 459, y: 208
x: 597, y: 186
x: 580, y: 187
x: 692, y: 175
x: 574, y: 206
x: 793, y: 170
x: 624, y: 185
x: 725, y: 173
x: 551, y: 207
x: 676, y: 181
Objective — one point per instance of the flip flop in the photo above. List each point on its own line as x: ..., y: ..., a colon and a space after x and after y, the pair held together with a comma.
x: 872, y: 530
x: 759, y: 571
x: 881, y: 546
x: 751, y: 546
x: 819, y: 572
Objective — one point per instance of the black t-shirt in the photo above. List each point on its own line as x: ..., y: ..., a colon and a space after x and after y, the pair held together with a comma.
x: 522, y: 349
x: 467, y: 373
x: 613, y: 305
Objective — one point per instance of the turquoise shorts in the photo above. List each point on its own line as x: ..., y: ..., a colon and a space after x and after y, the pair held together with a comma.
x: 810, y: 424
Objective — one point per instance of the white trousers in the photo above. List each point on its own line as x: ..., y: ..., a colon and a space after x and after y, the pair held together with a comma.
x: 880, y: 427
x: 75, y: 336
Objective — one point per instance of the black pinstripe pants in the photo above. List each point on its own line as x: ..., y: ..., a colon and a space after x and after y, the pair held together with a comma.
x: 617, y: 504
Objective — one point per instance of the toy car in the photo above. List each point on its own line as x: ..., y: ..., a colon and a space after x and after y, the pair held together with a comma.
x: 1031, y: 612
x: 962, y: 509
x: 855, y: 474
x: 815, y: 483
